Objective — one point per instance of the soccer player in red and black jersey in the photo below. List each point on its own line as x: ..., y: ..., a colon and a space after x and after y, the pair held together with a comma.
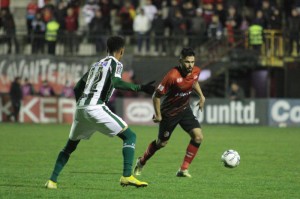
x: 176, y: 87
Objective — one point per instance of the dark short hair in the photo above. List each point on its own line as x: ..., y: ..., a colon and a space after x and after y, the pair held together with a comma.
x: 186, y: 52
x: 114, y: 44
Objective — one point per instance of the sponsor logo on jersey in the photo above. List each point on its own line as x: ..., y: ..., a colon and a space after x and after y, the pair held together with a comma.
x: 104, y: 63
x: 183, y: 94
x: 96, y: 64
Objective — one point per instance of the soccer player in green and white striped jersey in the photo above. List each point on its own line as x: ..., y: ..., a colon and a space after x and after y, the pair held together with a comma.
x: 92, y: 92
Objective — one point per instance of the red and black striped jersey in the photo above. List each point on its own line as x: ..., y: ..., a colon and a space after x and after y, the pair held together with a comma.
x: 176, y: 90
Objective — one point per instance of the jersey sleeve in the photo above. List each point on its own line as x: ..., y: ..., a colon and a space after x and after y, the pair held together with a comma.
x: 120, y: 84
x: 198, y: 70
x: 117, y: 69
x: 196, y: 73
x: 166, y: 83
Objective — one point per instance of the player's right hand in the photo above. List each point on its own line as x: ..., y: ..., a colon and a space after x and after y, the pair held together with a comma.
x: 148, y: 88
x: 156, y: 119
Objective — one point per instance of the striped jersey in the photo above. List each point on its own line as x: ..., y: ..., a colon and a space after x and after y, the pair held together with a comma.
x: 99, y: 86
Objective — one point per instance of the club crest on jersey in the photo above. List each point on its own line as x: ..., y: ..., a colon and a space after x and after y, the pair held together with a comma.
x: 166, y: 134
x: 179, y: 80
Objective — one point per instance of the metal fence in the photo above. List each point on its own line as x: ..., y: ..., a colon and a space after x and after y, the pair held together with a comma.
x: 276, y: 45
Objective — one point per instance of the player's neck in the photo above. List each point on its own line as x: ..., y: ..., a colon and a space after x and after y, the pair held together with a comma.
x: 183, y: 73
x: 116, y: 55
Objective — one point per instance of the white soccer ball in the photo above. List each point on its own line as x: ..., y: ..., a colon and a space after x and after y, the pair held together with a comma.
x: 231, y: 158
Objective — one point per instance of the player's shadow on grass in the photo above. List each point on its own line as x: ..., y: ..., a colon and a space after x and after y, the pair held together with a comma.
x: 95, y: 172
x: 40, y: 186
x: 17, y: 185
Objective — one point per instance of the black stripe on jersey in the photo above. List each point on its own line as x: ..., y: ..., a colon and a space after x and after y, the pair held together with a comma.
x: 108, y: 111
x: 106, y: 91
x: 90, y: 95
x: 99, y: 101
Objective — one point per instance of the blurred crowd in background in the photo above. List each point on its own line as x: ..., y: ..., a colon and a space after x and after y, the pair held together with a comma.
x: 151, y: 27
x: 162, y: 24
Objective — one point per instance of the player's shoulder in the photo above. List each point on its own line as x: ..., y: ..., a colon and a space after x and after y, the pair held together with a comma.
x: 197, y: 69
x: 112, y: 59
x: 173, y: 72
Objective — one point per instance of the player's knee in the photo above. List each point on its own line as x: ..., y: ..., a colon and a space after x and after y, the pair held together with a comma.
x: 128, y: 136
x: 198, y: 139
x: 197, y: 136
x: 133, y: 136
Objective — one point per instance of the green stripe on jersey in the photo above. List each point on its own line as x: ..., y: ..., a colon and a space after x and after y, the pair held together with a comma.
x: 108, y: 86
x: 87, y: 101
x: 113, y: 116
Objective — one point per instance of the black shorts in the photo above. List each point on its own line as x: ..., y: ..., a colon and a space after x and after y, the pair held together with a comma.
x: 186, y: 120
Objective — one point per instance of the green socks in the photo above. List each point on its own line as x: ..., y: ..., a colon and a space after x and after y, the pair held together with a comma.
x: 63, y: 158
x: 61, y: 161
x: 129, y: 139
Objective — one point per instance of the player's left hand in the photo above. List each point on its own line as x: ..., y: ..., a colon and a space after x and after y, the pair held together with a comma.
x: 156, y: 119
x: 201, y: 103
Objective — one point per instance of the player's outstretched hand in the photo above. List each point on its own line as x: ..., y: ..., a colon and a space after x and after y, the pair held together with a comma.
x: 148, y: 88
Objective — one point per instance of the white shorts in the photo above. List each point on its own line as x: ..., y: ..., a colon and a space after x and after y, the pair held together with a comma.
x: 89, y: 119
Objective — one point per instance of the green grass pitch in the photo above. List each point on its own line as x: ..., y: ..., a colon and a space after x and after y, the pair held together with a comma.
x: 269, y: 168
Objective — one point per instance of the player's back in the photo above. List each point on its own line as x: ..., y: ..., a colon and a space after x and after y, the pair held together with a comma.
x: 99, y: 87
